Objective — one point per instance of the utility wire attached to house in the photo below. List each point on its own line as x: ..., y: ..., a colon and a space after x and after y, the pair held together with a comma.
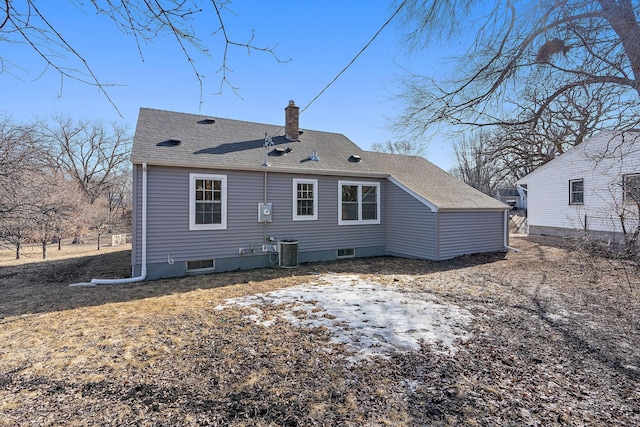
x: 356, y: 57
x: 352, y: 61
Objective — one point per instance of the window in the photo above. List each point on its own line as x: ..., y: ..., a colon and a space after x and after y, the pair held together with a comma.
x: 576, y: 192
x: 347, y: 253
x: 631, y: 185
x: 305, y: 199
x: 359, y: 203
x: 207, y: 202
x: 204, y: 264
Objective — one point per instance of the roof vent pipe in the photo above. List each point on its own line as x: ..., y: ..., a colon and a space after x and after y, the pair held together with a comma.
x: 314, y: 156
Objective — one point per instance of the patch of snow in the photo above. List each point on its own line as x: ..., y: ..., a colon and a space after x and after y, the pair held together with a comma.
x: 555, y: 317
x: 368, y: 317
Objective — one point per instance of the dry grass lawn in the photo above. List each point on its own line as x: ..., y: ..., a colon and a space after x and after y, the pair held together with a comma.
x: 554, y: 340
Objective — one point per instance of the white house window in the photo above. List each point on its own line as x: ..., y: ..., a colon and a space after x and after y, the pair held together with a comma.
x: 631, y: 185
x: 207, y: 202
x: 305, y: 199
x: 359, y: 202
x: 576, y: 192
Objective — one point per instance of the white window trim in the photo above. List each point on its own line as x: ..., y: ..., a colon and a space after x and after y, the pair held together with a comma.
x: 360, y: 221
x: 571, y: 192
x: 297, y: 217
x: 192, y: 202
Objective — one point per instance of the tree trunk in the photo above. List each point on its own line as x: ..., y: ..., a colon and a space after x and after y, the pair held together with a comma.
x: 98, y: 241
x: 18, y: 250
x: 622, y: 19
x: 59, y: 243
x: 44, y: 248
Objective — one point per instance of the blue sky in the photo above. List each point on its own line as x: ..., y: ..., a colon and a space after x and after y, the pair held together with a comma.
x: 319, y: 38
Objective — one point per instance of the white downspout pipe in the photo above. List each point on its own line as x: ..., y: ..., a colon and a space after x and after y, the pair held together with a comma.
x: 143, y: 272
x: 506, y: 233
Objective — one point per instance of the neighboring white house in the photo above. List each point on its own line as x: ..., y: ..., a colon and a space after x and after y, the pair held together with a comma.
x: 590, y: 188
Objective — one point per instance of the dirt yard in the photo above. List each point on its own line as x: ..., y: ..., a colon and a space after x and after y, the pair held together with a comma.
x: 552, y: 338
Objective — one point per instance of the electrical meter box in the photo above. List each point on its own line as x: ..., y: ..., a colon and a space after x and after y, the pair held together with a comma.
x: 264, y: 212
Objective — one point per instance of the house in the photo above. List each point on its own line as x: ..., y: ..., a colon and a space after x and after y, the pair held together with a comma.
x: 213, y: 194
x: 512, y: 197
x: 591, y: 188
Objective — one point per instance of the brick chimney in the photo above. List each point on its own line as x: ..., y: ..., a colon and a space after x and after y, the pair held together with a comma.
x: 291, y: 124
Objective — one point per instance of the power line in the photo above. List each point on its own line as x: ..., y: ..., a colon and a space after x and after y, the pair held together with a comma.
x: 356, y: 57
x: 352, y: 61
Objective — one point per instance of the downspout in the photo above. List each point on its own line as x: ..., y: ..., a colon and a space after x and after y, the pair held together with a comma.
x: 505, y: 241
x: 143, y: 272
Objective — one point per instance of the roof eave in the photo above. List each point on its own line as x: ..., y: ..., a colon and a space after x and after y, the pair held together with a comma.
x: 475, y: 209
x: 291, y: 170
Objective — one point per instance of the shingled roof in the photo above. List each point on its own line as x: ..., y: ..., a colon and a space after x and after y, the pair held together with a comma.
x: 190, y: 140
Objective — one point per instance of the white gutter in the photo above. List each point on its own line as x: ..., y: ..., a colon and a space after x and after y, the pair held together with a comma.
x: 143, y: 273
x: 506, y: 233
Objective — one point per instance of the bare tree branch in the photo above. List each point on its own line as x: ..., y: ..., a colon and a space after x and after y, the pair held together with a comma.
x: 88, y: 152
x: 145, y: 20
x: 549, y: 47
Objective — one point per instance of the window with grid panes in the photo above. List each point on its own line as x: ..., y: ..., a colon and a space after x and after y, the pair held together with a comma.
x: 207, y: 202
x: 305, y: 199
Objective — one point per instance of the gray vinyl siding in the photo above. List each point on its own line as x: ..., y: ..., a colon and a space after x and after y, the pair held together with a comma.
x: 168, y: 234
x: 323, y: 233
x: 411, y: 226
x: 407, y: 226
x: 463, y: 233
x: 169, y: 237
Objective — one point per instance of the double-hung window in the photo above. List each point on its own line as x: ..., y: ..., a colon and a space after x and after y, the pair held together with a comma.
x: 576, y: 192
x: 631, y: 185
x: 358, y: 202
x: 207, y: 202
x: 305, y: 199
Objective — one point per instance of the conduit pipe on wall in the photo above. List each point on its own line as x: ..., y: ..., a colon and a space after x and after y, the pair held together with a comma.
x: 143, y: 272
x: 264, y: 227
x: 506, y: 233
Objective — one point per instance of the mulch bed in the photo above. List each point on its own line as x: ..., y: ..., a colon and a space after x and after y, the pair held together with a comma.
x: 555, y: 340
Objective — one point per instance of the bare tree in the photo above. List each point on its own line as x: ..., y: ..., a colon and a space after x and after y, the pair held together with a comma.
x: 520, y: 149
x: 406, y: 147
x: 52, y: 203
x: 92, y: 154
x: 44, y: 190
x: 24, y: 22
x: 118, y: 197
x: 20, y: 153
x: 17, y: 229
x: 20, y: 158
x: 528, y: 60
x: 99, y: 222
x: 476, y: 165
